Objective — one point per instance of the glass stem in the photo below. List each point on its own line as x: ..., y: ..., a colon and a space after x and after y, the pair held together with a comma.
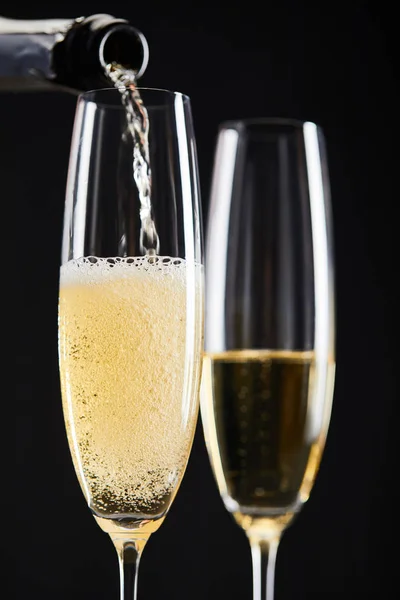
x: 129, y: 553
x: 263, y: 555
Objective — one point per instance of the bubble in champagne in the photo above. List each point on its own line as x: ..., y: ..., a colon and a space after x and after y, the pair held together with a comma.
x: 129, y: 377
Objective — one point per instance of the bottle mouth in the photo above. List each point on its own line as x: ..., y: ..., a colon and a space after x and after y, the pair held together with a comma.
x: 126, y: 46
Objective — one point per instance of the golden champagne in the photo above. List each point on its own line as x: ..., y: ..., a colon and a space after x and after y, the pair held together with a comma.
x: 129, y: 334
x: 259, y: 409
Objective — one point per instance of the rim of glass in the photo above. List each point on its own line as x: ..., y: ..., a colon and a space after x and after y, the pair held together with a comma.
x: 85, y: 96
x: 283, y: 121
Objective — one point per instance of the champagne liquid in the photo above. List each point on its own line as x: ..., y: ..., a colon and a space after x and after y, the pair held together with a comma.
x: 130, y: 379
x: 138, y: 128
x: 256, y: 407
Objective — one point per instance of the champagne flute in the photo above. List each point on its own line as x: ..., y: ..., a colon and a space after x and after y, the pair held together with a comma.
x: 131, y: 310
x: 268, y: 371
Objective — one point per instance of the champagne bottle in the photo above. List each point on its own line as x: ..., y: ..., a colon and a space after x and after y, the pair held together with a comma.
x: 69, y: 54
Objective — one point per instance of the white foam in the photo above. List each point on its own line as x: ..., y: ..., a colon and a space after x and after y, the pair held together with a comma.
x: 92, y: 269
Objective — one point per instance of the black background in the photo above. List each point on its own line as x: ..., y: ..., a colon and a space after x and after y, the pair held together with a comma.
x: 331, y: 63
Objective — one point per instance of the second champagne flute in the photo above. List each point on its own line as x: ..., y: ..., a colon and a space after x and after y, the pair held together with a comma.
x: 269, y: 327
